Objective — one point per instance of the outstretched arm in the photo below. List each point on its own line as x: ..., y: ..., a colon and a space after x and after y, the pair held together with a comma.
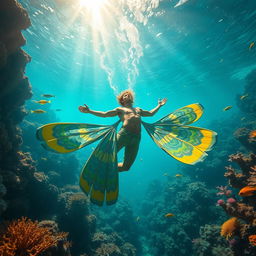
x: 110, y: 113
x: 154, y: 110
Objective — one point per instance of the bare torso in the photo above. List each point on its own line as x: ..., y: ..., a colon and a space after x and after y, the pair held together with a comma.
x: 131, y: 118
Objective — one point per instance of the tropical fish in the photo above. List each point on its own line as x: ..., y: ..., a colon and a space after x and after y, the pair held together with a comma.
x: 251, y: 45
x: 227, y: 108
x: 247, y: 191
x: 168, y: 215
x: 178, y: 175
x: 58, y: 109
x: 42, y: 102
x: 252, y: 240
x: 243, y: 96
x: 165, y: 174
x: 48, y: 95
x: 38, y: 111
x: 252, y: 134
x: 138, y: 218
x: 181, y: 2
x: 243, y: 118
x: 44, y: 158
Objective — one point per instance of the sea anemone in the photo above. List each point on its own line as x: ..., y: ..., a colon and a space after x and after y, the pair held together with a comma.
x: 229, y: 227
x: 231, y: 200
x: 220, y: 202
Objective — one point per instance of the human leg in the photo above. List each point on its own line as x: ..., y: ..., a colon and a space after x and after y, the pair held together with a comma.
x: 130, y: 153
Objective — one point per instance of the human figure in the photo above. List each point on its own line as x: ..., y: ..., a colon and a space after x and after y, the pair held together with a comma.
x: 130, y: 133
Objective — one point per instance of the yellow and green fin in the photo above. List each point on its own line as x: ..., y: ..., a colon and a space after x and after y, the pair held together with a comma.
x: 68, y: 137
x: 187, y: 144
x: 99, y: 177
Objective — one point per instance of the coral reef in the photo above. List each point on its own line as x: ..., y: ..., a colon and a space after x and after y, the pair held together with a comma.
x: 211, y: 243
x: 112, y: 245
x: 25, y: 237
x: 242, y: 209
x: 74, y: 217
x: 189, y: 201
x: 119, y: 219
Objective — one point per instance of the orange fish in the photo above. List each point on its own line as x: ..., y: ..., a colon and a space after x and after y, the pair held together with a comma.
x: 168, y: 215
x: 252, y: 240
x: 247, y: 191
x: 252, y: 134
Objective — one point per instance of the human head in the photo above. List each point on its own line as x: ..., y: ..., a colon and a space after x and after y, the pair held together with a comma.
x: 130, y: 94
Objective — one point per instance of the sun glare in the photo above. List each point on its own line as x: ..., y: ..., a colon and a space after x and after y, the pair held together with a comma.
x: 92, y: 4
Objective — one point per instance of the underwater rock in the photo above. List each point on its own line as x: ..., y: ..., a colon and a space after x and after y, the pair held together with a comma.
x: 243, y: 136
x: 248, y: 104
x: 14, y: 90
x: 13, y: 19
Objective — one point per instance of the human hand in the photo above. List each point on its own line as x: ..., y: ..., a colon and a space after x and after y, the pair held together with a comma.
x: 162, y: 102
x: 84, y: 109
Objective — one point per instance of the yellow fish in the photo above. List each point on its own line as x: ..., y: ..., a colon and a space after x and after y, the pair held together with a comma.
x: 251, y: 45
x: 227, y: 108
x: 252, y: 134
x: 168, y: 215
x: 38, y: 111
x: 178, y: 175
x: 42, y: 102
x: 48, y: 95
x: 243, y: 96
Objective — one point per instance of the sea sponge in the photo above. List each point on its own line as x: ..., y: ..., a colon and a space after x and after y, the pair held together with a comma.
x: 229, y: 227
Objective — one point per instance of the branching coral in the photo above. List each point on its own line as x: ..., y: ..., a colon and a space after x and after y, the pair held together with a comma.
x: 24, y: 237
x: 108, y: 249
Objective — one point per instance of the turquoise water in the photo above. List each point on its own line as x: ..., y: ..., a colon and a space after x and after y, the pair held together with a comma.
x: 87, y: 52
x: 196, y: 52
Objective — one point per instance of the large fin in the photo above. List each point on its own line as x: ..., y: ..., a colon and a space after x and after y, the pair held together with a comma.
x: 99, y: 177
x: 185, y: 143
x: 183, y: 116
x: 68, y: 137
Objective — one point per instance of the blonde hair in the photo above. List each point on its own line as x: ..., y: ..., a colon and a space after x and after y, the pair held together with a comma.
x: 120, y: 96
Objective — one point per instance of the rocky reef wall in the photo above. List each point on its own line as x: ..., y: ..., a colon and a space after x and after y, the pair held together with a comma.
x: 14, y: 90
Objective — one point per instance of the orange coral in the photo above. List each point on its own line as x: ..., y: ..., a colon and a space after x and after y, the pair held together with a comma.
x: 24, y: 237
x: 252, y: 240
x: 229, y: 227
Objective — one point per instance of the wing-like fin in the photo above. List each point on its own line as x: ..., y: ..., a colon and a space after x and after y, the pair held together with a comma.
x: 183, y: 116
x: 68, y: 137
x: 99, y: 177
x: 185, y: 143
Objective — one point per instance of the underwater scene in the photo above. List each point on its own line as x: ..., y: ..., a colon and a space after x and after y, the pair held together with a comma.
x: 127, y: 127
